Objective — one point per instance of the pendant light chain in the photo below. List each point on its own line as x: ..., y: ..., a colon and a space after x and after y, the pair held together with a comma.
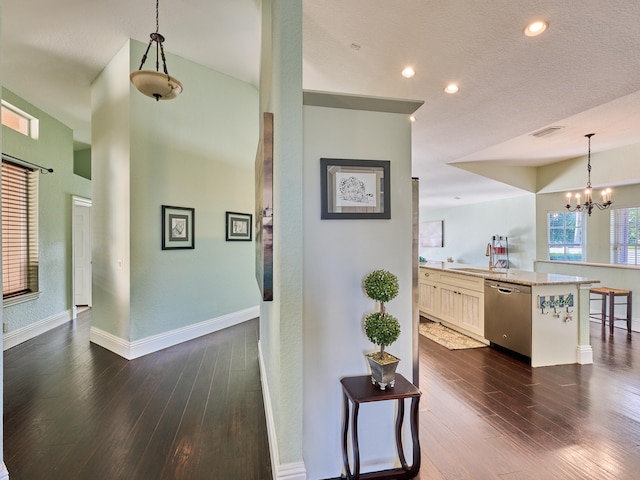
x: 157, y: 37
x: 589, y: 161
x: 151, y: 83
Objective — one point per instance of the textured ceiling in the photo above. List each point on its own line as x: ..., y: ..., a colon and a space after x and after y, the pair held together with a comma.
x: 583, y: 73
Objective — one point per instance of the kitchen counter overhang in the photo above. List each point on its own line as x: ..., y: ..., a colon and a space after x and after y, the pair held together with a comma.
x: 520, y: 277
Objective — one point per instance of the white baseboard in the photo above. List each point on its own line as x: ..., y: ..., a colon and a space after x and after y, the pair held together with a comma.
x: 290, y: 471
x: 286, y: 471
x: 585, y: 354
x: 11, y: 339
x: 145, y: 346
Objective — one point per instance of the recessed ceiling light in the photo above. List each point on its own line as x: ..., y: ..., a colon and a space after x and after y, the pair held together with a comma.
x: 412, y: 118
x: 408, y: 72
x: 451, y: 88
x: 535, y: 28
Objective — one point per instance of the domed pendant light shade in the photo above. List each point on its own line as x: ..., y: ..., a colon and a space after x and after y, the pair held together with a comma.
x: 158, y: 85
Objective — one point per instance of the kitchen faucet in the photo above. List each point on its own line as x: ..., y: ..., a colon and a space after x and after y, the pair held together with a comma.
x: 489, y: 253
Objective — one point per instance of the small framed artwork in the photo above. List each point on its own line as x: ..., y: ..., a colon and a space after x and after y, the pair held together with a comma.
x: 355, y: 189
x: 431, y: 234
x: 177, y: 227
x: 239, y: 226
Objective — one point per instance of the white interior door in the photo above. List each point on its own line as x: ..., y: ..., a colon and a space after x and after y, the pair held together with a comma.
x: 81, y: 252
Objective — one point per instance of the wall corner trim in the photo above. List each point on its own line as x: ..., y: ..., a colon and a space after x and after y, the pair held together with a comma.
x: 154, y: 343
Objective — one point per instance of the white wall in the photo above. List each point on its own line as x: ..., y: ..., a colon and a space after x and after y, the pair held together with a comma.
x: 467, y: 231
x: 337, y: 256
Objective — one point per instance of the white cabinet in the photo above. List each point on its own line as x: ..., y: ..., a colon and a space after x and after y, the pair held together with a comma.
x: 455, y: 299
x: 472, y: 311
x: 428, y: 292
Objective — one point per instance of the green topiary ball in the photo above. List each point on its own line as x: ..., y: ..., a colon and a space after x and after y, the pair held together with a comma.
x: 381, y: 329
x: 381, y: 285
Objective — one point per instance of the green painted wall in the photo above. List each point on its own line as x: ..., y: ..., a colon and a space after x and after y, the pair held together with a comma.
x: 618, y: 168
x: 281, y: 320
x: 82, y: 163
x: 197, y: 151
x: 337, y: 256
x: 110, y: 210
x: 54, y: 149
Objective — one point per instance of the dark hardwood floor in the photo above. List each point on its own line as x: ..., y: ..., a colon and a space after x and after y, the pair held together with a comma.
x: 73, y: 410
x: 487, y: 415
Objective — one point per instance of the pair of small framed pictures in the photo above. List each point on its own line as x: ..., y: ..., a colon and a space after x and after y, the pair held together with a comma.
x: 178, y: 227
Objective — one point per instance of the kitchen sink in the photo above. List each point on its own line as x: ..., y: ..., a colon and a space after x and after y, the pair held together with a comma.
x: 478, y: 270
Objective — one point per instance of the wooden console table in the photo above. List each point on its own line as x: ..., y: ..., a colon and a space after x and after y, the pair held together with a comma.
x: 360, y: 390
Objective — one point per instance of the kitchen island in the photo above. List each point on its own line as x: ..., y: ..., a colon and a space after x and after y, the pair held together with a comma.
x: 542, y: 316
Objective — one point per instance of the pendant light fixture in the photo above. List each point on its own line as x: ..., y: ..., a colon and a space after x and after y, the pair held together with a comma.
x: 588, y: 204
x: 156, y: 84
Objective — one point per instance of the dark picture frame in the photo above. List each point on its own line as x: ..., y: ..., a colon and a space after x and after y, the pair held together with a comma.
x: 239, y: 227
x: 355, y: 189
x: 178, y: 227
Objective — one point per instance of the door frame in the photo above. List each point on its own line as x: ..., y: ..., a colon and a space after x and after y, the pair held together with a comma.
x: 75, y: 203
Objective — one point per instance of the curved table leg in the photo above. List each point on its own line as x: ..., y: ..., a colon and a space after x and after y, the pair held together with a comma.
x: 415, y: 435
x: 345, y: 436
x: 399, y: 421
x: 354, y: 442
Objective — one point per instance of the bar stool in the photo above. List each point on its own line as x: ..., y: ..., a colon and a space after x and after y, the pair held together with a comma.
x: 611, y: 294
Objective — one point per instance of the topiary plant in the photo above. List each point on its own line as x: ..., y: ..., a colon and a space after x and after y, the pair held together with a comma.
x: 380, y: 327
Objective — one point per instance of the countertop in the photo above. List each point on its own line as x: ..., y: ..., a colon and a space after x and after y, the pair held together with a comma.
x: 520, y: 277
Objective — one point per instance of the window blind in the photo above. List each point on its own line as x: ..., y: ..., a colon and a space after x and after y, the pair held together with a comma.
x: 19, y: 230
x: 624, y: 236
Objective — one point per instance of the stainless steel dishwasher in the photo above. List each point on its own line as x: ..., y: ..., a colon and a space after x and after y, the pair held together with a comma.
x: 507, y: 315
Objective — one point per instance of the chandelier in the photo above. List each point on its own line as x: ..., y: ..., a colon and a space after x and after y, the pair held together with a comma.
x: 160, y: 86
x: 589, y: 204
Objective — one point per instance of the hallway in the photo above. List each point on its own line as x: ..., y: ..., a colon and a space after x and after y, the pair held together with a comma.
x: 73, y: 410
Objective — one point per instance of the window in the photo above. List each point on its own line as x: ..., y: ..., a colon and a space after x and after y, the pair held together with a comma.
x: 19, y: 230
x: 624, y: 235
x: 18, y: 120
x: 565, y: 236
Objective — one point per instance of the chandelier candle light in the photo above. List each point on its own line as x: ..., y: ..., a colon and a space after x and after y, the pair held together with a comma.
x: 160, y: 86
x: 588, y: 204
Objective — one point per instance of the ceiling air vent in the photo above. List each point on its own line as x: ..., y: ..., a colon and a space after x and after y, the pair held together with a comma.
x: 545, y: 132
